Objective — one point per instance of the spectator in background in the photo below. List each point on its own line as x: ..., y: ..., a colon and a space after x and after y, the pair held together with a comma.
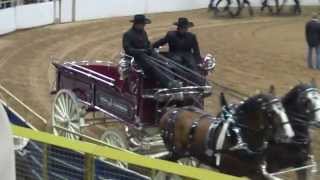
x: 313, y: 41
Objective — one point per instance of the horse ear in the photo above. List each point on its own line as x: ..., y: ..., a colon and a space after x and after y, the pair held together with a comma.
x: 272, y: 90
x: 313, y: 82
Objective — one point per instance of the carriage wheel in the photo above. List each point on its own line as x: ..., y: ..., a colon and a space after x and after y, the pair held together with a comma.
x: 116, y: 137
x: 189, y: 161
x: 66, y: 113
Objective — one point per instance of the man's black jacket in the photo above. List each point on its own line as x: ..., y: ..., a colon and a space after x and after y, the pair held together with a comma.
x: 180, y: 43
x: 313, y: 33
x: 135, y: 42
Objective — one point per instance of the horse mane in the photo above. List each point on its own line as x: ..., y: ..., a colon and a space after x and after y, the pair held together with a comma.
x: 253, y: 104
x: 290, y: 98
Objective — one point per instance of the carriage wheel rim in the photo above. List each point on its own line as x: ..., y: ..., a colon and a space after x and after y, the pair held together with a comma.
x: 188, y: 162
x: 66, y: 115
x: 115, y: 140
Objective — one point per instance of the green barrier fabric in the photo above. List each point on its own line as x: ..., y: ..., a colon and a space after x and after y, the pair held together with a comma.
x: 114, y: 154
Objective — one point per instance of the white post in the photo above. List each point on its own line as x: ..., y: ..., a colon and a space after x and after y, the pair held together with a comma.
x: 7, y: 158
x: 73, y: 10
x: 55, y: 9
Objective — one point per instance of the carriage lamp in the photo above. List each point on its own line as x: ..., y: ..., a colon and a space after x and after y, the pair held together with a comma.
x: 123, y: 68
x: 209, y: 62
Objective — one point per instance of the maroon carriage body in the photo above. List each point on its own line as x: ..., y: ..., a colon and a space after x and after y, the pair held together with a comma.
x: 99, y: 86
x: 135, y: 100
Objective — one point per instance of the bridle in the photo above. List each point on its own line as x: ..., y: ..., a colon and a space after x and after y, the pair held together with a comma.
x: 265, y: 107
x: 304, y: 93
x: 301, y: 117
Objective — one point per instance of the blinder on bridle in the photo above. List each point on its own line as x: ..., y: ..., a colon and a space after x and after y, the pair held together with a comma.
x: 266, y: 106
x: 302, y: 118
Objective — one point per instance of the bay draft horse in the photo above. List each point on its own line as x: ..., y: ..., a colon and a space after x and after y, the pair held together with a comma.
x: 302, y: 105
x: 190, y: 132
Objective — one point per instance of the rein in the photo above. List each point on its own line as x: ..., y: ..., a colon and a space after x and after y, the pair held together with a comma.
x: 299, y: 119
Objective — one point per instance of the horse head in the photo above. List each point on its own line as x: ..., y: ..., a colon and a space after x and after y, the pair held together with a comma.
x: 302, y: 104
x: 261, y: 116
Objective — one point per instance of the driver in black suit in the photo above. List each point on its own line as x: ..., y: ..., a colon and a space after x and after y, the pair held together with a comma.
x: 137, y: 44
x: 183, y: 47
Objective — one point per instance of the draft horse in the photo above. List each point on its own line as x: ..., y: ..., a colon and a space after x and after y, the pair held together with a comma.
x: 302, y: 105
x: 190, y: 132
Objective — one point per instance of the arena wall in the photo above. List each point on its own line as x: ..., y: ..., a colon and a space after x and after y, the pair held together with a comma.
x: 34, y: 15
x: 95, y: 9
x: 26, y: 16
x: 7, y: 20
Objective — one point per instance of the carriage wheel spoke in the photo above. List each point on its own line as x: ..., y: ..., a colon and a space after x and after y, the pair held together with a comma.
x: 74, y: 117
x: 74, y: 127
x: 59, y: 110
x: 58, y: 117
x: 71, y: 106
x: 65, y: 104
x: 61, y: 107
x: 66, y: 99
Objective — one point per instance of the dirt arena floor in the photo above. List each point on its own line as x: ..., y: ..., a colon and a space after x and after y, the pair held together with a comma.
x: 252, y: 53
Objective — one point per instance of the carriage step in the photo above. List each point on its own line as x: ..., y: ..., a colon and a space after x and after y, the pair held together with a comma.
x: 154, y: 138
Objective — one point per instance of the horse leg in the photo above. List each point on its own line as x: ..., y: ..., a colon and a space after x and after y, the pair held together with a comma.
x: 263, y: 5
x: 307, y: 174
x: 304, y: 174
x: 216, y: 7
x: 211, y: 5
x: 227, y: 6
x: 249, y: 6
x: 297, y: 7
x: 278, y: 8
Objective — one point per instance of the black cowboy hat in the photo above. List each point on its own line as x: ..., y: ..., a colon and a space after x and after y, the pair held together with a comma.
x: 183, y: 22
x: 140, y: 19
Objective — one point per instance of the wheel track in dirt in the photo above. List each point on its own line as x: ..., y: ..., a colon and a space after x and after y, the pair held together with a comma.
x: 36, y: 81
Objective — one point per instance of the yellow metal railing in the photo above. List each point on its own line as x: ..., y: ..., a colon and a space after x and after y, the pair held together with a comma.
x: 114, y: 154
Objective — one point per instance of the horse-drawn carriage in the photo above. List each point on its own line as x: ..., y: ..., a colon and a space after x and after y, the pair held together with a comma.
x: 117, y: 104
